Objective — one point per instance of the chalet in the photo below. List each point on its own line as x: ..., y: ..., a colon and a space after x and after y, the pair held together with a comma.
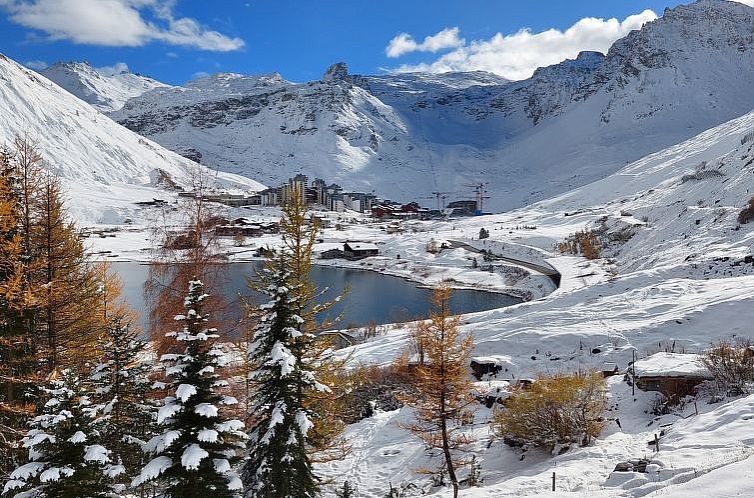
x: 609, y: 369
x: 360, y: 249
x: 673, y: 374
x: 340, y: 339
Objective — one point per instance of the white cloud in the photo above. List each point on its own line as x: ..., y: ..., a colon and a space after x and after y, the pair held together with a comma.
x: 516, y: 56
x: 37, y: 65
x: 117, y: 68
x: 404, y: 43
x: 115, y: 23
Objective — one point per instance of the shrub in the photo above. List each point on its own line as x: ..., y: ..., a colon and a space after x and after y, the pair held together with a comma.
x: 585, y: 242
x: 483, y: 233
x: 731, y: 363
x: 554, y: 411
x: 746, y: 213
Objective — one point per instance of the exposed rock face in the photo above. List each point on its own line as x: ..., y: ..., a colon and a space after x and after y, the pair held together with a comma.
x: 336, y: 72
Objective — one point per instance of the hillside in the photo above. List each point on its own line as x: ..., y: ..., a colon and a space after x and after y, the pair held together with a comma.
x: 104, y: 166
x: 104, y: 90
x: 676, y: 273
x: 568, y: 125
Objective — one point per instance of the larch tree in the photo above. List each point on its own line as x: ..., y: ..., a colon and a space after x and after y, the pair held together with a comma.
x: 442, y: 384
x: 192, y: 252
x: 71, y: 287
x: 66, y: 459
x: 18, y: 362
x: 299, y: 235
x: 194, y: 454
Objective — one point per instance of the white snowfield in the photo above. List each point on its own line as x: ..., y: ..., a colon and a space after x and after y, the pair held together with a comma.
x: 675, y: 277
x: 104, y: 166
x: 105, y: 90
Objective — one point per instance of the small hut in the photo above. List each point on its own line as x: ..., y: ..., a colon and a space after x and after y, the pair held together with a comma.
x: 673, y: 374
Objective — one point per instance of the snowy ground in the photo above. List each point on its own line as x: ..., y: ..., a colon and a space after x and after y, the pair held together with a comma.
x: 675, y: 275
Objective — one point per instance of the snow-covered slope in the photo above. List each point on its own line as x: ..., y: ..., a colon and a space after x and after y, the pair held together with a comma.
x: 104, y: 166
x: 677, y: 274
x: 106, y: 90
x: 569, y: 124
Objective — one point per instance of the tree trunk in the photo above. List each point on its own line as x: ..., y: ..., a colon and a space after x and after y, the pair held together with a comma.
x: 448, y: 458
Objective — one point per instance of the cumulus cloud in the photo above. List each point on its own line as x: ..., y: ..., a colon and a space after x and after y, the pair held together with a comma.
x: 404, y: 43
x: 127, y: 23
x: 117, y: 68
x: 517, y: 55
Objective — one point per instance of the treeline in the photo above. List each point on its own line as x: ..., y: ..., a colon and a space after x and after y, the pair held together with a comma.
x: 53, y: 301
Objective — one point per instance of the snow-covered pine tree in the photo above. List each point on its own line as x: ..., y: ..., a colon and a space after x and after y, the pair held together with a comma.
x: 121, y: 396
x: 66, y: 459
x: 278, y: 465
x: 194, y: 455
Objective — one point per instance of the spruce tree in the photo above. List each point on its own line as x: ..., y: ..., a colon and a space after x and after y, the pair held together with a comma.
x: 194, y: 455
x: 278, y: 465
x: 121, y: 395
x: 66, y: 459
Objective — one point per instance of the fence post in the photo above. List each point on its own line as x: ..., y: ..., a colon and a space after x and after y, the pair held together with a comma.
x: 657, y: 443
x: 553, y: 481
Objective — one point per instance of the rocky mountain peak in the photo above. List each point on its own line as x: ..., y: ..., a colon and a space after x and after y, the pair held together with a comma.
x: 336, y: 72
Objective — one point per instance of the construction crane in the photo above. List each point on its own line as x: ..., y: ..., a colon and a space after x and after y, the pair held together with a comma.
x: 479, y: 191
x: 439, y: 196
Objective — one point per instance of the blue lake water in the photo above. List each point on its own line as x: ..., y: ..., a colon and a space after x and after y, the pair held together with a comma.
x: 372, y: 296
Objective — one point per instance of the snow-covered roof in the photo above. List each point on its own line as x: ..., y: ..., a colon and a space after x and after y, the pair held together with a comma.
x: 671, y: 365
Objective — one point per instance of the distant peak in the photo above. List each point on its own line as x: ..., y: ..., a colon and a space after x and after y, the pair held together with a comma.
x: 336, y: 72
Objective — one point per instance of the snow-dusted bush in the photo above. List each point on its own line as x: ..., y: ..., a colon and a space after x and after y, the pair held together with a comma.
x: 586, y: 243
x: 731, y: 363
x: 554, y: 411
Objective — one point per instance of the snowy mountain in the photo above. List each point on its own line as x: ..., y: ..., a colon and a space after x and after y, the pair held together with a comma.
x: 105, y: 89
x: 105, y: 167
x: 568, y: 125
x: 677, y: 275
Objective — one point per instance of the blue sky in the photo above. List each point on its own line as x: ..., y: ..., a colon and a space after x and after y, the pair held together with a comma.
x: 172, y: 40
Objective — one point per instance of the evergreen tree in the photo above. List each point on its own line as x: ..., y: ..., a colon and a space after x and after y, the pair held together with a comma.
x: 295, y: 394
x: 121, y: 394
x: 347, y: 491
x: 278, y: 465
x: 195, y: 453
x: 65, y: 457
